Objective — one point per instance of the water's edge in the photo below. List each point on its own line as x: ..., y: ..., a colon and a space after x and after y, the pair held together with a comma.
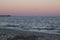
x: 10, y: 33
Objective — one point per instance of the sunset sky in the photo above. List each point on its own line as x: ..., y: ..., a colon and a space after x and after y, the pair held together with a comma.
x: 30, y: 7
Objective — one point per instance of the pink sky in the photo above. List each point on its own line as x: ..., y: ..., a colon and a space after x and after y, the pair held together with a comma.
x: 30, y: 7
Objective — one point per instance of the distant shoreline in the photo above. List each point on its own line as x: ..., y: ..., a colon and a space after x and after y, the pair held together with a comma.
x: 5, y: 15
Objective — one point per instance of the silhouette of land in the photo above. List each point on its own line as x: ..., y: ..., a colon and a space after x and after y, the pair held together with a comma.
x: 5, y: 15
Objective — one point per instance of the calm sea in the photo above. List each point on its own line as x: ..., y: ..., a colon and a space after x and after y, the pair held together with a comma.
x: 46, y: 24
x: 50, y: 24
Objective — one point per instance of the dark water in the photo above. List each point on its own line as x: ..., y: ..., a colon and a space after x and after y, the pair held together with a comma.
x: 46, y: 24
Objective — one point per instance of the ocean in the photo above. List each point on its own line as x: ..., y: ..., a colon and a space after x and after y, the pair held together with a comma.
x: 45, y: 24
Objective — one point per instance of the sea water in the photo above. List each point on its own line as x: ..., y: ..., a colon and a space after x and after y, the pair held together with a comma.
x: 45, y: 24
x: 49, y: 24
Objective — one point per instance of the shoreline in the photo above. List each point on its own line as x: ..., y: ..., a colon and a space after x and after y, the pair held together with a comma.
x: 5, y: 15
x: 39, y: 35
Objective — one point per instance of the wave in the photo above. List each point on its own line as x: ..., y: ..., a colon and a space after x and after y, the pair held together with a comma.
x: 5, y: 24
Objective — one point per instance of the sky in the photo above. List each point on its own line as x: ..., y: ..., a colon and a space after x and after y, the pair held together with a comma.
x: 30, y: 7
